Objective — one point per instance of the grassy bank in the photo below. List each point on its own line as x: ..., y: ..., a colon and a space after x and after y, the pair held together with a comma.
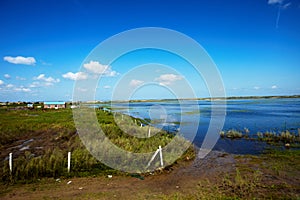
x: 272, y: 175
x: 41, y: 139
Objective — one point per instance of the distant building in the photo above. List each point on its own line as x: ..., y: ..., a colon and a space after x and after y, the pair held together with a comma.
x: 29, y: 105
x: 54, y: 104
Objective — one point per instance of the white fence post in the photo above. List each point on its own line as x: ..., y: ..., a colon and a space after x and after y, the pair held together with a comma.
x: 69, y: 162
x: 149, y: 132
x: 10, y: 162
x: 156, y: 152
x: 154, y: 155
x: 161, y: 158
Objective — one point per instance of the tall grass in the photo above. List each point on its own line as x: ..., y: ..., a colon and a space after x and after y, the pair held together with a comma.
x: 57, y: 132
x: 272, y: 137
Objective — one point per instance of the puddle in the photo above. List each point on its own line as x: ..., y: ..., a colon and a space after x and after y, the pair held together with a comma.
x: 23, y: 146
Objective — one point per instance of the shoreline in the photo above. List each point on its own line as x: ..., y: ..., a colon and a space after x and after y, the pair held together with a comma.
x: 225, y: 174
x: 193, y: 99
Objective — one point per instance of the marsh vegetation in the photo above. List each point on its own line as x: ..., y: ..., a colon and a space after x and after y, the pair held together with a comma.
x: 41, y: 139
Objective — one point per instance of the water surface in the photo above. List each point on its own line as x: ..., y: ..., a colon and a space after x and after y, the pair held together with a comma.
x: 254, y: 114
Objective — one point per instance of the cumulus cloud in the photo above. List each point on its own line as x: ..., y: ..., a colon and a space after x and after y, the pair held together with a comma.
x: 98, y: 68
x: 49, y: 79
x: 35, y: 84
x: 42, y: 81
x: 7, y: 76
x: 75, y: 76
x: 20, y: 60
x: 256, y: 87
x: 135, y: 83
x: 168, y: 79
x: 274, y: 87
x: 9, y: 85
x: 22, y: 89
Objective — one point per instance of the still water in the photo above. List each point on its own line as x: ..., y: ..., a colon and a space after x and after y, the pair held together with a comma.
x: 254, y: 114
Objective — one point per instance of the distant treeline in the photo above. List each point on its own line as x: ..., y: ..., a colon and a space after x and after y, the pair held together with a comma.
x: 226, y: 98
x: 263, y: 97
x: 163, y: 100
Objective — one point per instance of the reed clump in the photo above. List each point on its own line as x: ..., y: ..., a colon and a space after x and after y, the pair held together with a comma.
x: 286, y: 137
x: 232, y: 134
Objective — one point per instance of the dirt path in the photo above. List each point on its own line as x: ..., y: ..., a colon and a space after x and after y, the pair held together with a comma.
x: 218, y: 175
x: 183, y: 178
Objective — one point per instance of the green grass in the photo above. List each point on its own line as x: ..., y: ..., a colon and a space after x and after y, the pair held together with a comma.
x: 17, y: 123
x: 251, y: 179
x: 276, y: 137
x: 60, y: 132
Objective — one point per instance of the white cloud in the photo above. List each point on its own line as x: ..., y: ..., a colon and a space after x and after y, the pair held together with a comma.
x: 42, y: 81
x: 26, y: 90
x: 35, y: 84
x: 98, y: 68
x: 9, y: 85
x: 168, y: 79
x: 112, y: 73
x: 22, y: 89
x: 256, y: 87
x: 274, y: 87
x: 275, y: 1
x: 75, y: 76
x: 1, y: 82
x: 49, y: 79
x: 7, y: 76
x: 20, y: 60
x: 135, y: 83
x: 106, y: 86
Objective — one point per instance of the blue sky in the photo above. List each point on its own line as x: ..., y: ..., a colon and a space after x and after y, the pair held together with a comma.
x: 255, y: 45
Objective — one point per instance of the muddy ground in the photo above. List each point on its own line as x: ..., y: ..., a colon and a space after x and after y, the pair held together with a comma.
x: 215, y: 176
